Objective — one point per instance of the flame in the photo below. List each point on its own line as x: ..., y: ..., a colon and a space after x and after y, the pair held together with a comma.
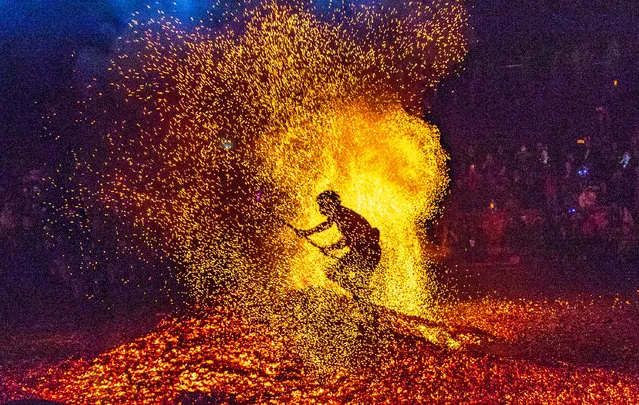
x: 389, y: 167
x: 215, y: 135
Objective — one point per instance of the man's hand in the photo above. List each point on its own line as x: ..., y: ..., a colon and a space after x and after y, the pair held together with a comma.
x: 329, y: 250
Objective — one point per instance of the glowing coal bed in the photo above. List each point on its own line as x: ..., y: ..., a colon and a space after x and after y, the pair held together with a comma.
x: 582, y: 351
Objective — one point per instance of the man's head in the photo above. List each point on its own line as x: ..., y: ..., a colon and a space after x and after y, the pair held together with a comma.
x: 328, y: 200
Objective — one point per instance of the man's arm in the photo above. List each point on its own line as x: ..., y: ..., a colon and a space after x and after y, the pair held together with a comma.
x: 340, y: 244
x: 319, y: 228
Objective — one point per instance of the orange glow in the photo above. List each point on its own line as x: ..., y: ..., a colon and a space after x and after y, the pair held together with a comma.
x: 219, y: 350
x: 241, y: 124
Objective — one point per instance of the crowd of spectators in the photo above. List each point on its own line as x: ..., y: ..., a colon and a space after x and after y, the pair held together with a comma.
x: 583, y: 195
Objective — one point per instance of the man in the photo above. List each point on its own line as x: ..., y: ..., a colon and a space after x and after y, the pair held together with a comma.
x: 354, y: 270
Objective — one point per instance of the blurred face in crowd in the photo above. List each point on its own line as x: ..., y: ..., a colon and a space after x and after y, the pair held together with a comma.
x: 544, y: 155
x: 489, y: 158
x: 615, y: 147
x: 470, y: 151
x: 601, y: 113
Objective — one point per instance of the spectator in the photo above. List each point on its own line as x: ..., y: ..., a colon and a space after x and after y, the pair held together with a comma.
x: 472, y: 183
x: 636, y: 189
x: 627, y: 238
x: 567, y: 188
x: 549, y: 188
x: 588, y: 198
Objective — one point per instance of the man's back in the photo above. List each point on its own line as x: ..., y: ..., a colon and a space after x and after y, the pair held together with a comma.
x: 355, y: 229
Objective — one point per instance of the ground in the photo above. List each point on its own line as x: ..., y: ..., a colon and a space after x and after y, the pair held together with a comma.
x: 516, y: 334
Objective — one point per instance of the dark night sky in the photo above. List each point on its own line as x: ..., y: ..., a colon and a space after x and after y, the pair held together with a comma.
x: 37, y: 38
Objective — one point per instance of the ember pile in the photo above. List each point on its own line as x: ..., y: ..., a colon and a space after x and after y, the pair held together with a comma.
x: 220, y: 353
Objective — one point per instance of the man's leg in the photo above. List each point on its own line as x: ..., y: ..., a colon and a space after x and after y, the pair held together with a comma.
x: 334, y: 272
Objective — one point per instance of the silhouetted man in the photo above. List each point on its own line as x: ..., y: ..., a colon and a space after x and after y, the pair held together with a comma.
x: 354, y: 270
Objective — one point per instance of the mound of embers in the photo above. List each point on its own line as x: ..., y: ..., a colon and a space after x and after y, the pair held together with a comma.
x: 219, y: 356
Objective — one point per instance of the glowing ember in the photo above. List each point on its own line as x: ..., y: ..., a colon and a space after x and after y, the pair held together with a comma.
x: 221, y: 353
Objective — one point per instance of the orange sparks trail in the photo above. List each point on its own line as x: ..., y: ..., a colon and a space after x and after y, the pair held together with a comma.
x: 216, y: 136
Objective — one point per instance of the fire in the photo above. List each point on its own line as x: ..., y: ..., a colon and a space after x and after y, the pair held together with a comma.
x: 222, y: 353
x: 215, y: 136
x: 387, y: 166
